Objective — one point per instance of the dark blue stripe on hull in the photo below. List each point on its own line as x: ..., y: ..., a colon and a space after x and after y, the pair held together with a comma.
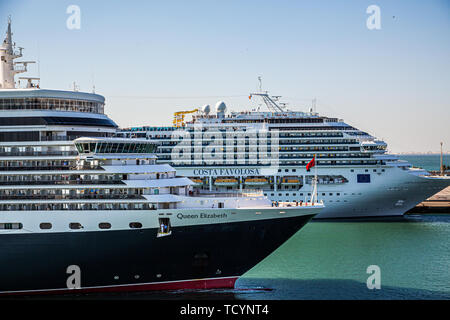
x: 39, y: 261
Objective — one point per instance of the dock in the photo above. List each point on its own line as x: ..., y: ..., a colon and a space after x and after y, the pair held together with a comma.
x: 439, y: 203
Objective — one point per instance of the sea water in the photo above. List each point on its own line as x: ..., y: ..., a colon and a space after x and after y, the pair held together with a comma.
x: 329, y: 260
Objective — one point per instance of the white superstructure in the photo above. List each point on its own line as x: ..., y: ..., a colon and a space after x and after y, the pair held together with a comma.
x: 74, y: 196
x: 58, y: 154
x: 269, y: 150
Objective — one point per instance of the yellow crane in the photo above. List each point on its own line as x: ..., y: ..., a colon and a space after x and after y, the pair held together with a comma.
x: 178, y: 117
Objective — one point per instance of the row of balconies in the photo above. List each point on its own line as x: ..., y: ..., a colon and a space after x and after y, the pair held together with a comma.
x: 83, y: 206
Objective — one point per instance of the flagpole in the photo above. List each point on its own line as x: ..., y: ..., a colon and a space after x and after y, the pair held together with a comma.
x: 314, y: 193
x: 315, y: 176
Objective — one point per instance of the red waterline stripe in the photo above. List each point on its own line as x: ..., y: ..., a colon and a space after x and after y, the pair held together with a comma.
x: 215, y: 283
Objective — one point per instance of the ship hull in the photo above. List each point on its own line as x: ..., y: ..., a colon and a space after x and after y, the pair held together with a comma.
x: 390, y: 193
x: 197, y: 256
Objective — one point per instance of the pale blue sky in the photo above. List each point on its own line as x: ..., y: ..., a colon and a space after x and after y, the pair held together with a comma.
x: 152, y: 58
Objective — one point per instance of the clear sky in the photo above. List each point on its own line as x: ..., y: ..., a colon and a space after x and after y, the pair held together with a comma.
x: 152, y: 58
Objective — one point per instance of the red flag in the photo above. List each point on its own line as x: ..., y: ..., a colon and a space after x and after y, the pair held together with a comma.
x: 311, y: 164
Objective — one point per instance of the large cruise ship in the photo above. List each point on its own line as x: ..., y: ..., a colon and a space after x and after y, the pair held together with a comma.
x: 83, y: 209
x: 270, y: 149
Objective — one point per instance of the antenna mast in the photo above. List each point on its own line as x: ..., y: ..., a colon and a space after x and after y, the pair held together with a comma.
x: 269, y: 101
x: 8, y: 67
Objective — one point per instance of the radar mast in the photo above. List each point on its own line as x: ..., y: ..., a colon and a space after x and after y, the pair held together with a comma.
x: 8, y: 67
x: 269, y: 101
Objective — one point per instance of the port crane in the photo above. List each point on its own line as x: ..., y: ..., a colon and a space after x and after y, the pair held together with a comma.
x: 178, y: 117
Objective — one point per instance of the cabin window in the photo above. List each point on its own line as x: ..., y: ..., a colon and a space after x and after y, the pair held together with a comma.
x: 221, y: 204
x: 45, y: 225
x: 104, y: 225
x: 135, y: 225
x: 11, y: 225
x: 363, y: 178
x: 75, y: 225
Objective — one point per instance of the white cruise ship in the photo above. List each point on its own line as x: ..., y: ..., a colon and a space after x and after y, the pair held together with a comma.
x: 83, y: 209
x: 270, y: 149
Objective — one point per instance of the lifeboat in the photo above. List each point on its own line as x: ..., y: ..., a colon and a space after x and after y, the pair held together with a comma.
x: 290, y: 181
x: 256, y: 181
x: 197, y: 182
x: 226, y: 182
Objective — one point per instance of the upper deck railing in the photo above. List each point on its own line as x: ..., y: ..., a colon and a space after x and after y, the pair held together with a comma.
x: 229, y: 193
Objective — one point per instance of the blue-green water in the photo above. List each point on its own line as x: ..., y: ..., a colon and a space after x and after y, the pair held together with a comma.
x: 328, y: 260
x: 427, y: 162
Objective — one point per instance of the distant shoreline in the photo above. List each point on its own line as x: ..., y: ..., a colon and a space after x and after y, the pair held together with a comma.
x: 420, y: 154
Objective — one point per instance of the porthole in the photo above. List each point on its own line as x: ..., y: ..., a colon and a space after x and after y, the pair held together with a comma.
x: 104, y: 225
x: 45, y: 225
x: 75, y: 225
x: 135, y: 225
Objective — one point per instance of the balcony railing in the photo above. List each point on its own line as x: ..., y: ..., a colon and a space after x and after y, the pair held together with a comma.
x: 228, y: 193
x: 73, y: 197
x: 38, y: 153
x: 61, y: 182
x: 49, y: 168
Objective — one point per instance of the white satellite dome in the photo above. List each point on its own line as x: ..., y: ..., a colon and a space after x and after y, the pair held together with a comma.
x: 206, y: 109
x: 221, y: 107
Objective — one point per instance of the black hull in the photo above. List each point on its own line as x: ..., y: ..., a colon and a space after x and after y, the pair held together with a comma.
x: 120, y: 259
